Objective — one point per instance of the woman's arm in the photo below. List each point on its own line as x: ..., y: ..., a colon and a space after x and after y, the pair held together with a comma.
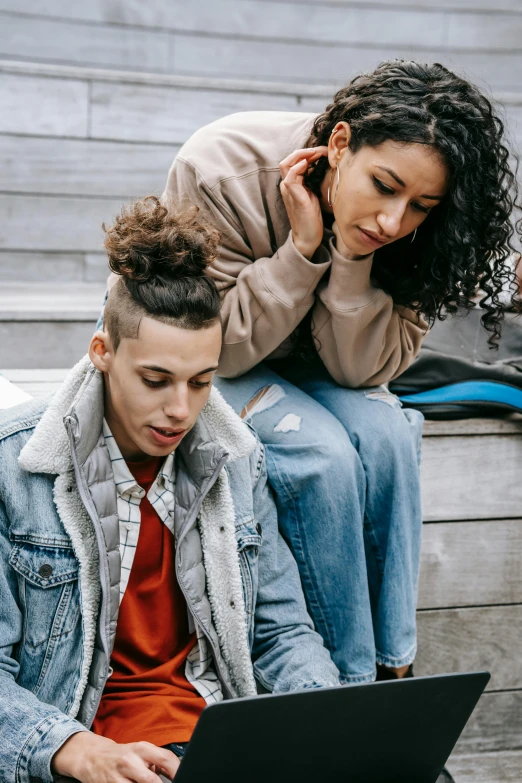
x: 362, y: 337
x: 264, y: 299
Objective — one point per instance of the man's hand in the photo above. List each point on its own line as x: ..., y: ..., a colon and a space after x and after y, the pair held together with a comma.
x: 302, y: 206
x: 93, y: 759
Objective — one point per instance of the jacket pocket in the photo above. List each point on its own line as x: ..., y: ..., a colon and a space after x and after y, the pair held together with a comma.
x: 48, y: 585
x: 249, y: 540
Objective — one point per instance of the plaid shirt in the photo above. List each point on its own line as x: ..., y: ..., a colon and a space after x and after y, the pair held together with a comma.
x: 199, y: 667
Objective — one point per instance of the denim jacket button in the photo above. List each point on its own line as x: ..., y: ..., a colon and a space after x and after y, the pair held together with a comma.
x: 46, y: 571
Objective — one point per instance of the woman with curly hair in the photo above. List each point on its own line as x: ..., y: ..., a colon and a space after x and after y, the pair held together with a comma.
x: 344, y: 236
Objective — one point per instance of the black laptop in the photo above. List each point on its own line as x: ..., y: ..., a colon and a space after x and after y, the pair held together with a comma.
x: 386, y: 732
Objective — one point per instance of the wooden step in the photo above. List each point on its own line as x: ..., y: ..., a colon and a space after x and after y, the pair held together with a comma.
x: 487, y: 767
x: 47, y: 324
x: 51, y: 301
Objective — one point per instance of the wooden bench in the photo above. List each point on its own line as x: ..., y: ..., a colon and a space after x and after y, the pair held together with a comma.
x: 470, y: 596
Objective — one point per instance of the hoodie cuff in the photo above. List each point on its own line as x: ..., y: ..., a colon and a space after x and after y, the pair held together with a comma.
x: 291, y: 277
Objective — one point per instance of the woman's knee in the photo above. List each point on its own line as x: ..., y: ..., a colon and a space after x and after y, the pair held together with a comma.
x: 387, y: 429
x: 239, y: 392
x: 321, y: 446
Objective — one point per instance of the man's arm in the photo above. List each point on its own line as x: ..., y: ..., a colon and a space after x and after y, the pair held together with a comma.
x: 37, y: 740
x: 30, y: 730
x: 288, y: 654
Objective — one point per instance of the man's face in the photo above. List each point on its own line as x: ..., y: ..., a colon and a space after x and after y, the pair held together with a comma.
x: 156, y: 384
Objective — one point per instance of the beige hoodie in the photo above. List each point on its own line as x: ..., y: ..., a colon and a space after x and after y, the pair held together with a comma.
x: 230, y: 168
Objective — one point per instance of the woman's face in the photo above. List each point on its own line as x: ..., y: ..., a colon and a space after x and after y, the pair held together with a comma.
x: 384, y: 192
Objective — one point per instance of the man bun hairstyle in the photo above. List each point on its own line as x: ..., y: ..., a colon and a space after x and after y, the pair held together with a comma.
x: 161, y: 258
x: 469, y: 237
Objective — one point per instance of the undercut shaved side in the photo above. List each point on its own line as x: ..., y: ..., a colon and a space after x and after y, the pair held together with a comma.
x: 122, y: 314
x: 161, y: 259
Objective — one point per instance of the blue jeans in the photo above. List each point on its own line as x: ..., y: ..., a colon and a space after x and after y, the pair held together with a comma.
x: 344, y: 466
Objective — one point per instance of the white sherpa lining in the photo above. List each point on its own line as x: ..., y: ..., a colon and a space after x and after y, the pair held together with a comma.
x: 79, y: 527
x: 227, y: 428
x: 47, y: 450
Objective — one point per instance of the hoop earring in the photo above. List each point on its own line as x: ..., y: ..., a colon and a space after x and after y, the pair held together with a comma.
x: 414, y: 235
x: 331, y: 201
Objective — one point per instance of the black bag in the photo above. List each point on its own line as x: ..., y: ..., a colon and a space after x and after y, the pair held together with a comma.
x: 456, y: 375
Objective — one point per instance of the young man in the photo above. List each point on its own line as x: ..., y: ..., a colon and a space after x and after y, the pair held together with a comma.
x: 141, y: 571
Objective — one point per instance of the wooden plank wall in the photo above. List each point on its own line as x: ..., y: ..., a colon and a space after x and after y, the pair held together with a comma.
x: 75, y: 144
x: 76, y: 141
x: 268, y: 39
x: 470, y: 596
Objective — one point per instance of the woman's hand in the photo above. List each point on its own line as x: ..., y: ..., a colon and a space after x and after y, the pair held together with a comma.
x: 93, y: 759
x: 302, y: 206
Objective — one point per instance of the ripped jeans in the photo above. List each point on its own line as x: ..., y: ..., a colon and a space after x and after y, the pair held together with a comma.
x: 344, y: 467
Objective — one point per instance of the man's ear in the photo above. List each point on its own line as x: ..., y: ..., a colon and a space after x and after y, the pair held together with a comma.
x: 101, y: 352
x: 338, y: 143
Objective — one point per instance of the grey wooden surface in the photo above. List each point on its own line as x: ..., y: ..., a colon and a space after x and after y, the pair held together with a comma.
x: 64, y: 301
x: 313, y: 40
x: 475, y: 563
x: 80, y: 166
x: 44, y: 343
x: 486, y: 767
x: 470, y: 595
x: 473, y: 639
x: 169, y: 114
x: 508, y: 425
x: 76, y: 142
x: 62, y: 223
x: 52, y: 266
x: 157, y: 14
x: 75, y: 145
x: 495, y: 725
x: 460, y: 483
x: 41, y: 105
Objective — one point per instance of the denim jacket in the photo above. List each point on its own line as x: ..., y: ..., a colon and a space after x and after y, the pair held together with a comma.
x: 60, y: 569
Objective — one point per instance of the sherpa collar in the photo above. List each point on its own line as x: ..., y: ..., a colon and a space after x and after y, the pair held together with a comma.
x: 48, y: 449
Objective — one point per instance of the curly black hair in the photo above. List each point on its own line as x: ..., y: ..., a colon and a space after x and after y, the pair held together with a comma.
x: 466, y: 242
x: 161, y: 259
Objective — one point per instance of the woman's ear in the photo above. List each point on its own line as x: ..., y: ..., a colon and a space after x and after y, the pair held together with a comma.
x: 100, y: 351
x: 338, y: 143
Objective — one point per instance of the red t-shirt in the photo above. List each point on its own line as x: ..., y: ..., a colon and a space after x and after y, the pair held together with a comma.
x: 148, y: 696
